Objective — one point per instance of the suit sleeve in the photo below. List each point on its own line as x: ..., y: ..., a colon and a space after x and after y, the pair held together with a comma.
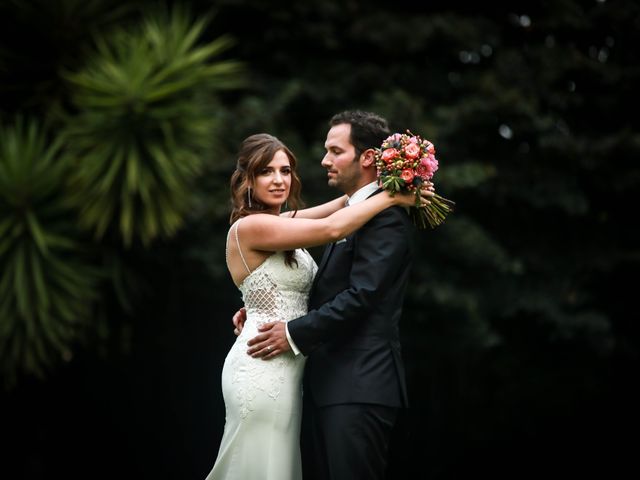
x: 381, y: 250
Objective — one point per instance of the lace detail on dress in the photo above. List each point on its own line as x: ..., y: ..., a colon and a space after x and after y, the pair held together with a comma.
x: 259, y: 376
x: 272, y: 292
x: 261, y: 297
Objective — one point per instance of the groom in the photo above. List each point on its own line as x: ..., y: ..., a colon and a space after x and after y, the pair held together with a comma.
x: 354, y: 382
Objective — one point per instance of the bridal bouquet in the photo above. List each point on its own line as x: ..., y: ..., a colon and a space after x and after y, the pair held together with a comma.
x: 403, y: 162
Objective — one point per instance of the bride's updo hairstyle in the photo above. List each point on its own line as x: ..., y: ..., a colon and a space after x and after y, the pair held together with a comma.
x: 256, y: 152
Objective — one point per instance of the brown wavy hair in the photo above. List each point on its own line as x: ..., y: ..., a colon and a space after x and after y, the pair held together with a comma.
x: 256, y: 152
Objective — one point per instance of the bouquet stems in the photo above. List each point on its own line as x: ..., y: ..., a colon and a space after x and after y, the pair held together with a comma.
x: 433, y: 214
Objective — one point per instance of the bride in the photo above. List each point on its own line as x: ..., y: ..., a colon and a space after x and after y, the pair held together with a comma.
x: 267, y: 261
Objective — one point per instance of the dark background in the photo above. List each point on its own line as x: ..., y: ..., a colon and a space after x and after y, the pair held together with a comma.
x: 519, y: 331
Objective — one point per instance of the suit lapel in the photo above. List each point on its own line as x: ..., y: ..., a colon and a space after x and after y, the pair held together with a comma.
x: 323, y: 263
x: 325, y: 257
x: 378, y: 190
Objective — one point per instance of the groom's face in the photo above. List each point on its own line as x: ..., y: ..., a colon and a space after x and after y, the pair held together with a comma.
x: 343, y: 169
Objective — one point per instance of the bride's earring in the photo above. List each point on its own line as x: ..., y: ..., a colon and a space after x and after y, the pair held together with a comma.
x: 249, y: 196
x: 286, y: 204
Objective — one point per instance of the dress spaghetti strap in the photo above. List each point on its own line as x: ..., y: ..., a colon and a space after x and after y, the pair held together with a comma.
x: 239, y: 249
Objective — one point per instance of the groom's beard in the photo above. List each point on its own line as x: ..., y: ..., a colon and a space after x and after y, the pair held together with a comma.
x: 346, y: 181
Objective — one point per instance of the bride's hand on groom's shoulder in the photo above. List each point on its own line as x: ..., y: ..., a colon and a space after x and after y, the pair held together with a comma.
x: 408, y: 198
x: 271, y: 342
x: 238, y: 321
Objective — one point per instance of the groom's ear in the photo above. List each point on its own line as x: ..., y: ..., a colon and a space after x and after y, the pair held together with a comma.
x: 367, y: 158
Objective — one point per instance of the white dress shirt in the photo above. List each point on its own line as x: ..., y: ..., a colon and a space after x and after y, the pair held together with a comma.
x: 359, y: 196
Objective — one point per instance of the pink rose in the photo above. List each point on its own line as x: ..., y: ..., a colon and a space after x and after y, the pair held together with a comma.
x: 389, y: 154
x: 407, y: 175
x: 434, y: 163
x: 430, y: 164
x: 412, y: 150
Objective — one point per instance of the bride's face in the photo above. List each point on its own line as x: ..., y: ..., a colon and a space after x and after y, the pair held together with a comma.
x: 273, y: 182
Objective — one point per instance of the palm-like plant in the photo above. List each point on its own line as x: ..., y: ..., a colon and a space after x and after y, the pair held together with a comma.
x: 46, y: 290
x: 145, y: 121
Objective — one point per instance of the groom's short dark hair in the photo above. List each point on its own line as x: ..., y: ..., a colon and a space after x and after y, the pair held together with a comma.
x: 368, y: 129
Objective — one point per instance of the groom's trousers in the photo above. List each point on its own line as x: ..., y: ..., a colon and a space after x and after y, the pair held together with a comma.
x: 349, y: 442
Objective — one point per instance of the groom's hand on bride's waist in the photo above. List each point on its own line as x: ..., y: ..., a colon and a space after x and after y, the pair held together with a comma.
x: 271, y: 342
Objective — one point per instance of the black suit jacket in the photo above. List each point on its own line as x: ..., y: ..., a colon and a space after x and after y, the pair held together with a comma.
x: 350, y: 334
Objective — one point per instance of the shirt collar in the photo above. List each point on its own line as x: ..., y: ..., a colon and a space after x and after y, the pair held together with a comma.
x: 362, y: 194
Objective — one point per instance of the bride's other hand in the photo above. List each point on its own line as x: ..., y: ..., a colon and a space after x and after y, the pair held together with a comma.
x: 408, y: 199
x: 427, y: 191
x: 238, y: 320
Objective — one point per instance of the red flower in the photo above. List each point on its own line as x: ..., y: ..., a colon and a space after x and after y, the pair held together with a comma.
x: 407, y: 175
x: 412, y: 151
x: 389, y: 154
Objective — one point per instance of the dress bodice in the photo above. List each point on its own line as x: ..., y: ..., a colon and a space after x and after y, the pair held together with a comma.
x: 275, y: 291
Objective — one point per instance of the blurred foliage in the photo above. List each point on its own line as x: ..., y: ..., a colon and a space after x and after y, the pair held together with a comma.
x: 144, y: 124
x: 46, y: 286
x: 137, y: 124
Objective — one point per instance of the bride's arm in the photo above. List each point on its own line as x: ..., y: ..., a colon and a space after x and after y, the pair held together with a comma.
x: 319, y: 211
x: 272, y: 233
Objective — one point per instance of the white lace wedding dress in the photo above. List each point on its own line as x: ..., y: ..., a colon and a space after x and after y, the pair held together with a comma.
x: 263, y: 398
